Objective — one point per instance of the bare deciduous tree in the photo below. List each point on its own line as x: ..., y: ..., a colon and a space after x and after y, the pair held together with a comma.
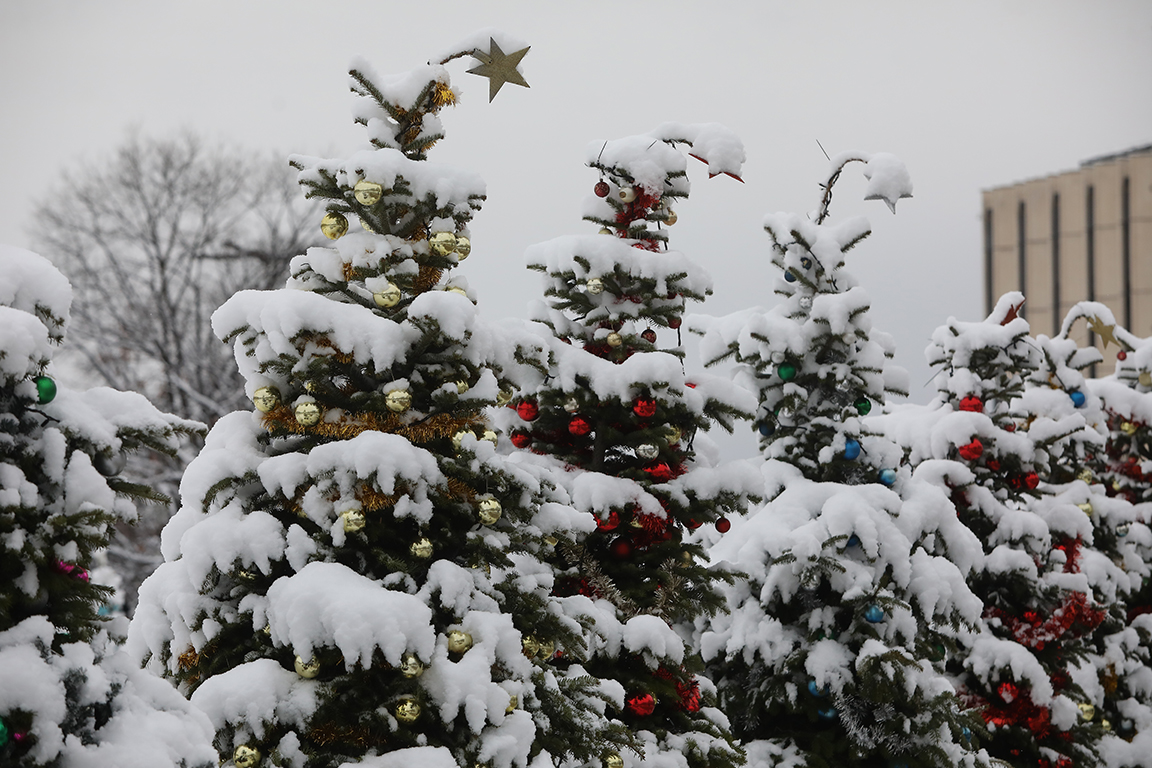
x: 153, y: 241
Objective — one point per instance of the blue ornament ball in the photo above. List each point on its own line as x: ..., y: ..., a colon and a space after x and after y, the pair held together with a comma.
x: 816, y: 690
x: 789, y: 276
x: 874, y: 614
x: 806, y: 262
x: 853, y: 540
x: 851, y: 449
x: 966, y: 733
x: 827, y: 713
x: 766, y: 428
x: 888, y: 476
x: 1078, y: 398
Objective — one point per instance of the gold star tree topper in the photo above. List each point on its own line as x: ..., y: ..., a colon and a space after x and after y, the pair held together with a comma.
x: 499, y: 67
x: 1104, y: 331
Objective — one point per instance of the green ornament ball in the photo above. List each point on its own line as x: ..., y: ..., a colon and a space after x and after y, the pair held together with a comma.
x: 786, y: 371
x: 45, y: 389
x: 4, y: 733
x: 863, y: 405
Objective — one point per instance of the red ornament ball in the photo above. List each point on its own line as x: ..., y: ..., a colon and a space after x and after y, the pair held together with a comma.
x: 1121, y: 355
x: 644, y: 408
x: 723, y: 524
x: 972, y: 451
x: 621, y: 549
x: 611, y: 523
x: 642, y: 704
x: 972, y: 403
x: 649, y: 336
x: 993, y: 465
x: 1032, y: 480
x: 579, y: 426
x: 675, y: 323
x: 521, y: 438
x: 527, y: 410
x: 601, y: 189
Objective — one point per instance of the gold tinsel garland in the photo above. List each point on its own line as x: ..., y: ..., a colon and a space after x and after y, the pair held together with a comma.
x: 427, y: 278
x: 328, y: 733
x: 437, y: 426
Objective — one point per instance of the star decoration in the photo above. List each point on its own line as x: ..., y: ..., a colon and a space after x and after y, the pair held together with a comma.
x: 1013, y: 313
x: 1097, y: 326
x: 499, y: 67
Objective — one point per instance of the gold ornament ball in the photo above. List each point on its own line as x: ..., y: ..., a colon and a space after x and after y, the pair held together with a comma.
x: 513, y: 700
x: 459, y: 641
x: 367, y: 192
x: 674, y: 435
x: 1145, y: 379
x: 613, y: 761
x: 671, y: 218
x: 1107, y: 726
x: 398, y: 400
x: 547, y: 650
x: 334, y: 225
x: 387, y: 298
x: 615, y: 339
x: 626, y: 194
x: 266, y: 398
x: 1085, y: 475
x: 421, y: 548
x: 411, y: 666
x: 1086, y: 508
x: 309, y: 669
x: 595, y: 286
x: 605, y: 231
x: 354, y: 520
x: 490, y: 436
x: 551, y: 541
x: 462, y: 387
x: 463, y: 247
x: 443, y: 243
x: 457, y: 289
x: 530, y: 645
x: 308, y: 414
x: 407, y: 711
x: 490, y: 511
x: 1128, y: 428
x: 1087, y: 711
x: 458, y: 438
x: 504, y: 396
x: 246, y: 756
x: 366, y: 225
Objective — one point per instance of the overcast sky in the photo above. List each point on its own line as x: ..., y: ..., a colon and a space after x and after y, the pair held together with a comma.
x: 971, y: 95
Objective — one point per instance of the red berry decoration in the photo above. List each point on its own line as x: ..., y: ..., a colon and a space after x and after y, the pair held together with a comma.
x: 993, y: 465
x: 972, y: 403
x: 973, y: 451
x: 1121, y: 355
x: 723, y: 525
x: 644, y: 408
x: 621, y: 549
x: 609, y: 524
x: 579, y: 426
x: 1008, y: 692
x: 521, y: 438
x: 649, y: 336
x: 527, y: 410
x: 601, y: 189
x: 642, y: 704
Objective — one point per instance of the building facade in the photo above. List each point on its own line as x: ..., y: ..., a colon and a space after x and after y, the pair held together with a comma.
x: 1077, y: 235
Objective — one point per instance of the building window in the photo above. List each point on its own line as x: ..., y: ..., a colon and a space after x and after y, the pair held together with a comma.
x: 1056, y: 316
x: 1021, y: 252
x: 1126, y: 249
x: 988, y: 297
x: 1090, y: 256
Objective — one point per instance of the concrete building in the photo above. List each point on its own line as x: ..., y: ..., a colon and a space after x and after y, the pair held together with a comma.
x: 1076, y: 235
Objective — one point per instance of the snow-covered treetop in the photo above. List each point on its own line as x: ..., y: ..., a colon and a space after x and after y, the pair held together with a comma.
x: 32, y: 285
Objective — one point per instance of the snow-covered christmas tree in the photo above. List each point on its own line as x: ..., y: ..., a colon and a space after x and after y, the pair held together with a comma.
x: 1006, y: 436
x: 356, y: 575
x: 620, y: 424
x: 68, y: 696
x: 854, y: 589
